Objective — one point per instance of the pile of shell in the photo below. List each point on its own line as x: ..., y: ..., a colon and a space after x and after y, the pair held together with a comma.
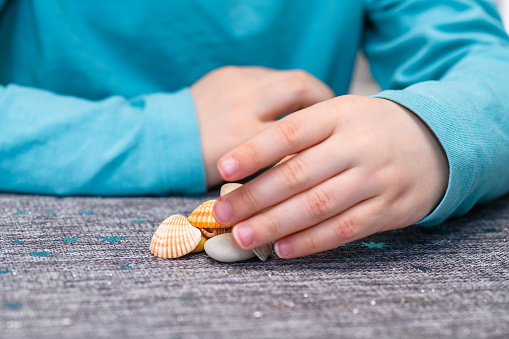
x: 178, y: 236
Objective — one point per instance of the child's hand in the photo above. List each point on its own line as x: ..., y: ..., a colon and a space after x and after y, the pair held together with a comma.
x: 235, y: 103
x: 363, y: 165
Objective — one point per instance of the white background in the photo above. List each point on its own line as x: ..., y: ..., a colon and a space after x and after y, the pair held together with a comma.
x: 503, y: 5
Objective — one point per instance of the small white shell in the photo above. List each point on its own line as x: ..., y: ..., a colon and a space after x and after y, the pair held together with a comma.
x: 212, y: 232
x: 174, y: 238
x: 227, y: 188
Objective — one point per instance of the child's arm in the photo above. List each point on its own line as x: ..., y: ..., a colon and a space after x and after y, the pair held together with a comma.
x: 151, y: 144
x: 57, y: 144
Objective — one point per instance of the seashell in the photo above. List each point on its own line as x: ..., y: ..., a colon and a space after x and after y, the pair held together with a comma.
x: 174, y: 238
x: 222, y: 248
x: 202, y: 216
x: 212, y: 232
x: 208, y: 232
x: 199, y: 248
x: 263, y: 252
x: 224, y: 230
x: 227, y: 188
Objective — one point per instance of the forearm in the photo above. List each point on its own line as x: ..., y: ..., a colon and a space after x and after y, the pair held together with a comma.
x: 54, y: 144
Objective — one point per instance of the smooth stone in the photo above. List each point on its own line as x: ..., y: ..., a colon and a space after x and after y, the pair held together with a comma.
x: 222, y: 248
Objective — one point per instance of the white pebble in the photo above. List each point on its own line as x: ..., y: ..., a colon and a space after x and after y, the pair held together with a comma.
x: 222, y: 248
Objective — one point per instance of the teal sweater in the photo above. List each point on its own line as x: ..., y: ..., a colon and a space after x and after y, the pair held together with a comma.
x: 94, y: 94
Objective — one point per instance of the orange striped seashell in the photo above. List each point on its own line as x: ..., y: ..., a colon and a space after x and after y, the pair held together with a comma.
x: 202, y: 216
x: 174, y: 238
x: 224, y: 230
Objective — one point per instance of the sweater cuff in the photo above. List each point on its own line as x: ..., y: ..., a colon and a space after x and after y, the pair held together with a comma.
x: 180, y: 151
x: 459, y: 159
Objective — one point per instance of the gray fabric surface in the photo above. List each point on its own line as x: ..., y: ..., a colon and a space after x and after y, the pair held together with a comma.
x: 80, y: 267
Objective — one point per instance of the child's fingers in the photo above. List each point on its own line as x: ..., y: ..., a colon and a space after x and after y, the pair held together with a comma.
x: 291, y: 91
x: 289, y: 135
x: 304, y: 210
x: 302, y: 172
x: 355, y: 223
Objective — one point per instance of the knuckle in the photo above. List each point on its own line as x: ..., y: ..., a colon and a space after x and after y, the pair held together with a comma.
x: 311, y: 245
x: 351, y: 103
x: 226, y: 71
x: 391, y: 178
x: 289, y: 131
x: 249, y: 198
x: 252, y: 154
x: 296, y: 85
x: 352, y: 100
x: 386, y: 201
x: 395, y: 174
x: 271, y: 226
x: 229, y: 68
x: 300, y: 74
x: 345, y: 228
x: 293, y: 173
x: 317, y: 203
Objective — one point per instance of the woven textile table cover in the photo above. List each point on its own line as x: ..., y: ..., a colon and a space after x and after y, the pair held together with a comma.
x: 79, y: 267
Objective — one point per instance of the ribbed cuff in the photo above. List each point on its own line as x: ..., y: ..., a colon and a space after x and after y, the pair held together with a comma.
x: 442, y: 123
x: 180, y: 148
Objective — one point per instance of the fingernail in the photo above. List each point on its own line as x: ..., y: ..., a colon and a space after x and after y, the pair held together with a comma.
x: 283, y: 248
x: 228, y: 167
x: 222, y: 211
x: 243, y: 235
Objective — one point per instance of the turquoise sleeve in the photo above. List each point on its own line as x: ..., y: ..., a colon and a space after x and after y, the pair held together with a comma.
x: 63, y: 145
x: 448, y: 62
